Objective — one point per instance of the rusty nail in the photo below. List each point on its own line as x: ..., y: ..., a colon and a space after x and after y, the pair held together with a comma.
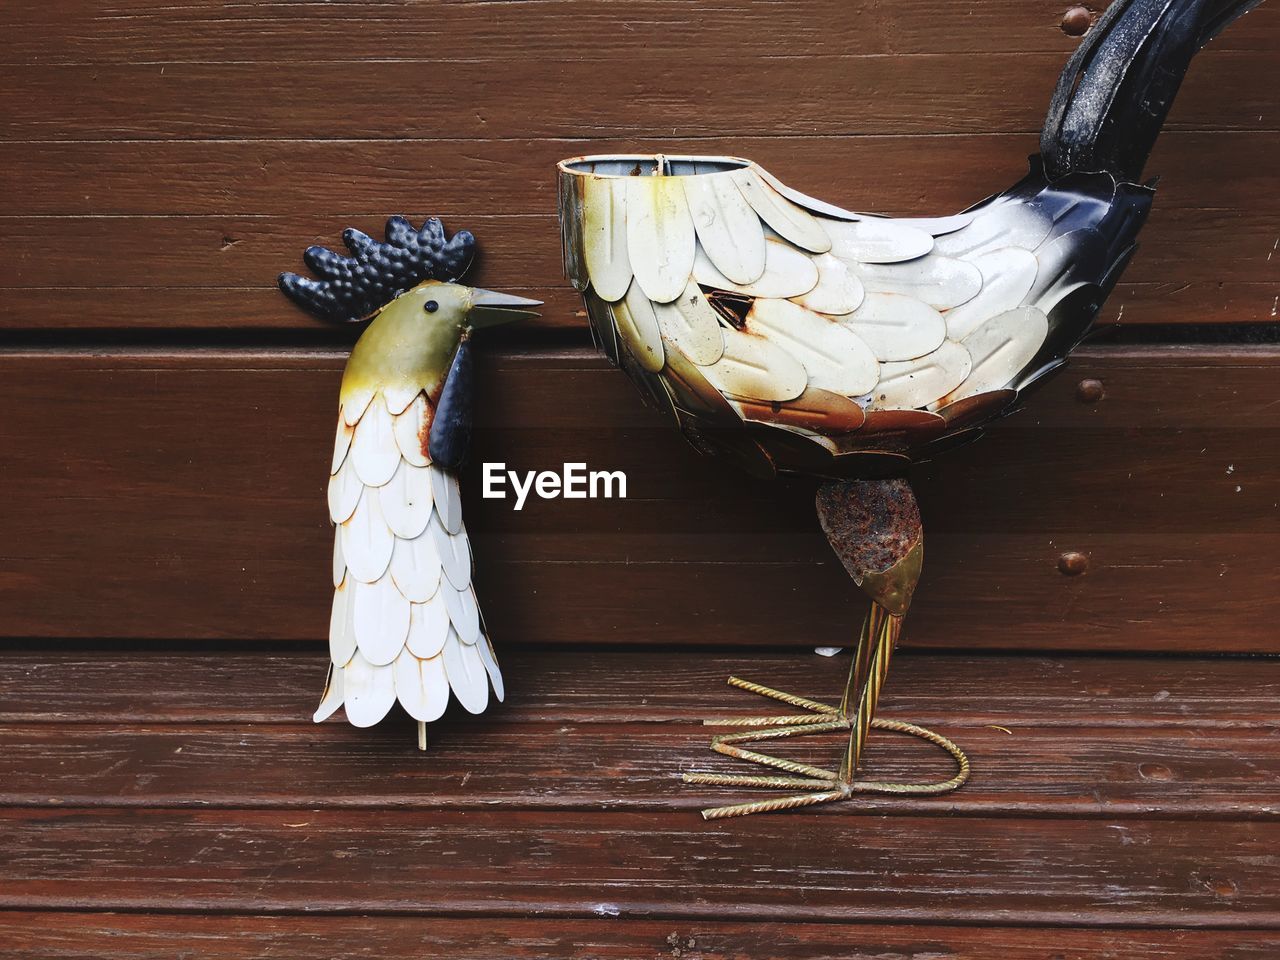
x: 1090, y: 391
x: 1073, y: 563
x: 1076, y: 22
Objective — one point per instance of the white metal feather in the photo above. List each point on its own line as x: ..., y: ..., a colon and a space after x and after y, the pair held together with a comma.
x: 428, y: 626
x: 917, y: 383
x: 897, y: 327
x: 332, y: 697
x: 660, y: 236
x: 339, y: 561
x: 1001, y: 349
x: 344, y: 492
x: 464, y: 613
x: 367, y: 541
x: 604, y: 236
x: 415, y: 568
x: 691, y: 324
x: 341, y: 443
x: 837, y: 292
x: 490, y: 661
x: 788, y: 272
x: 637, y: 325
x: 454, y: 551
x: 373, y: 448
x: 756, y: 368
x: 406, y: 500
x: 412, y: 429
x: 467, y: 675
x: 728, y: 228
x: 381, y: 615
x: 421, y: 686
x: 369, y: 691
x: 342, y: 624
x: 1007, y: 276
x: 941, y: 282
x: 1001, y: 223
x: 790, y: 221
x: 877, y: 240
x: 833, y: 356
x: 447, y: 498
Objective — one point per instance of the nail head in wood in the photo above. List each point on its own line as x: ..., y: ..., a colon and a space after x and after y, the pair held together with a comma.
x: 1073, y: 563
x: 1076, y: 21
x: 1090, y: 391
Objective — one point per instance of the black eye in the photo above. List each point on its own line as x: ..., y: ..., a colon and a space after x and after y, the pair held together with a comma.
x: 431, y: 306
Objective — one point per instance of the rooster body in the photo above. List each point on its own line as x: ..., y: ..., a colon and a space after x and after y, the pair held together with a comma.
x: 796, y: 336
x: 405, y: 624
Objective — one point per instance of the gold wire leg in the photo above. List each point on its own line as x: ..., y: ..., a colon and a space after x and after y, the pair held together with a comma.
x: 856, y: 714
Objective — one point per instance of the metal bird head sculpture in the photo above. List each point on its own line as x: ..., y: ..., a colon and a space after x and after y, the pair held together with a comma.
x: 796, y: 336
x: 405, y: 624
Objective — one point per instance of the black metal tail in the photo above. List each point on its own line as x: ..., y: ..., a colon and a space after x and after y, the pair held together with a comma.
x: 1117, y: 88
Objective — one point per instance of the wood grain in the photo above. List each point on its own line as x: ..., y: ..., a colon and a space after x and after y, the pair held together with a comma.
x: 135, y: 30
x: 179, y: 494
x: 512, y: 863
x: 821, y: 91
x: 1138, y: 774
x: 209, y: 271
x: 153, y: 685
x: 80, y: 936
x: 892, y: 174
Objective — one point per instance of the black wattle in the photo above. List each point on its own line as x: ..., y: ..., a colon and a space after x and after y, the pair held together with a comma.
x: 451, y: 424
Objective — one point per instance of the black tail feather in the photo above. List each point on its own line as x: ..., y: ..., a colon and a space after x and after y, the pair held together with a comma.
x: 1117, y: 88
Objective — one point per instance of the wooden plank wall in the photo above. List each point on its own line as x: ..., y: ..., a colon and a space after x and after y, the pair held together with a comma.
x: 164, y: 441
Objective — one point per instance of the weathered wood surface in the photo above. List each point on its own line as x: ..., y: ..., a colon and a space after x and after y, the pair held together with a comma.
x: 199, y: 230
x: 133, y: 31
x: 1130, y: 739
x: 798, y: 93
x: 513, y: 863
x: 147, y: 686
x: 1078, y: 772
x: 217, y: 271
x: 180, y: 494
x: 504, y: 818
x: 139, y: 127
x: 82, y: 936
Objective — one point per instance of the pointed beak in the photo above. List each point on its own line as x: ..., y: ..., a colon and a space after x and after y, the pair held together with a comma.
x: 490, y: 308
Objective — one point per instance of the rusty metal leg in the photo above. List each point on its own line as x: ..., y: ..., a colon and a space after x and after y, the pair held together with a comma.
x: 874, y: 528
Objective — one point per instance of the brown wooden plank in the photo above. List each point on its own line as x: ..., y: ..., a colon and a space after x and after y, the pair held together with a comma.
x: 797, y: 93
x: 892, y: 174
x: 547, y: 686
x: 132, y: 31
x: 179, y: 494
x: 515, y: 862
x: 258, y: 309
x: 81, y: 936
x: 473, y: 764
x: 207, y: 271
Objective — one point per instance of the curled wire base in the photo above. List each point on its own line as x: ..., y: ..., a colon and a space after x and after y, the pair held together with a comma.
x: 827, y: 786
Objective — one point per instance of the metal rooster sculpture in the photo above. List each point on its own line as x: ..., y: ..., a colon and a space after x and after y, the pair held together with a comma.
x: 793, y: 335
x: 405, y: 623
